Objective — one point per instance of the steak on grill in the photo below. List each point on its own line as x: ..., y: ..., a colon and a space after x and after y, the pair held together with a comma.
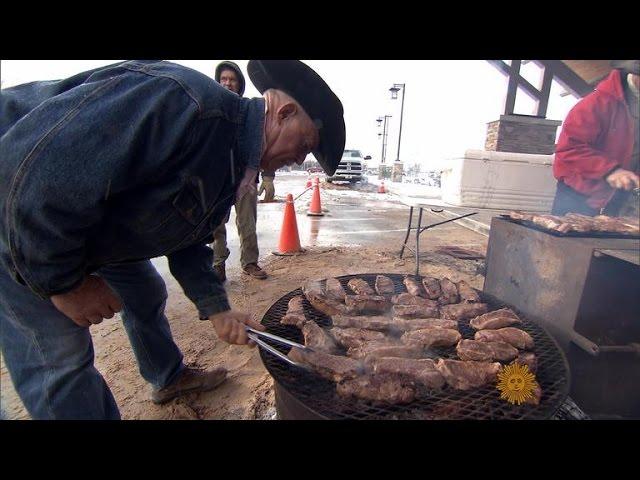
x: 317, y: 338
x: 513, y: 336
x: 358, y: 304
x: 403, y: 324
x: 295, y: 313
x: 356, y: 337
x: 317, y: 298
x: 384, y: 286
x: 387, y: 348
x: 485, y: 351
x: 360, y: 287
x: 371, y: 323
x: 413, y: 286
x: 408, y: 299
x: 414, y: 311
x: 462, y: 311
x: 378, y: 388
x: 431, y: 287
x: 332, y: 367
x: 494, y: 320
x: 467, y: 293
x: 529, y: 359
x: 449, y: 292
x: 432, y: 337
x: 334, y: 290
x: 422, y: 371
x: 465, y: 375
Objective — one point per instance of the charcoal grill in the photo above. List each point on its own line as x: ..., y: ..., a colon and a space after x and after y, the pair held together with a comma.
x: 305, y: 395
x: 571, y: 233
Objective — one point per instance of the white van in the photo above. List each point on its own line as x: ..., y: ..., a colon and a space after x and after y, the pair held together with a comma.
x: 350, y: 169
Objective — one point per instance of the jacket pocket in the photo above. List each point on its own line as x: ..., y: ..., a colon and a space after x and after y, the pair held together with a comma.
x: 190, y: 202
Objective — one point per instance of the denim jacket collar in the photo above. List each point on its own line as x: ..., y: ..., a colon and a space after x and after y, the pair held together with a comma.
x: 251, y: 131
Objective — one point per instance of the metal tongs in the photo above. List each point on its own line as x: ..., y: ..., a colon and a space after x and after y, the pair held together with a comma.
x: 254, y: 334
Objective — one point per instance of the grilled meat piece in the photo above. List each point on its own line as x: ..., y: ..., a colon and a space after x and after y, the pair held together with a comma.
x: 413, y: 286
x: 360, y: 287
x: 387, y: 348
x: 529, y: 359
x: 403, y: 324
x: 295, y: 313
x: 521, y: 215
x: 384, y: 286
x: 537, y: 395
x: 408, y: 299
x: 356, y: 337
x: 358, y: 304
x: 332, y: 367
x: 462, y: 311
x: 432, y: 337
x: 494, y: 320
x: 421, y: 371
x: 467, y: 293
x: 603, y: 223
x: 379, y: 323
x: 465, y: 375
x: 378, y: 388
x: 485, y: 351
x: 449, y: 292
x: 334, y: 290
x: 317, y: 298
x: 513, y: 336
x: 414, y: 311
x: 431, y: 287
x: 318, y: 338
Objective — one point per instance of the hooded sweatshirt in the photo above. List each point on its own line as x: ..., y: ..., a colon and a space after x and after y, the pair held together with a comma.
x: 597, y: 138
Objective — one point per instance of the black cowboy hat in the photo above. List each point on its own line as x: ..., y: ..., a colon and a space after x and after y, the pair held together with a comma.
x: 314, y: 95
x: 627, y: 66
x: 227, y: 65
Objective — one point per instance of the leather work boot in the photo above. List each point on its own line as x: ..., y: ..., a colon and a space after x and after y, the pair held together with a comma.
x: 220, y: 272
x: 189, y: 381
x: 255, y: 271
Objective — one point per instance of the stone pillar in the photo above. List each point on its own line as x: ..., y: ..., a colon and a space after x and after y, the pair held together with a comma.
x: 522, y: 134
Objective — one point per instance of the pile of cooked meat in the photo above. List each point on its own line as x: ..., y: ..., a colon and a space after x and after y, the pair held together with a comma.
x: 575, y: 222
x: 382, y: 344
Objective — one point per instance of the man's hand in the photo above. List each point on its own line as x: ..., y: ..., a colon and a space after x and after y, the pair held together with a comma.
x: 230, y: 327
x: 89, y: 303
x: 267, y: 186
x: 247, y: 184
x: 623, y: 179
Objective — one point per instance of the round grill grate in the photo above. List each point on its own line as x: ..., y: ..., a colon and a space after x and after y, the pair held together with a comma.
x: 319, y: 395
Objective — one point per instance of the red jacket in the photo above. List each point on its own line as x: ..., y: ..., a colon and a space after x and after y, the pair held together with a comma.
x: 597, y: 136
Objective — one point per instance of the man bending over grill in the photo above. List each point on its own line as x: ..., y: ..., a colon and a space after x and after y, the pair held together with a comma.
x: 110, y: 168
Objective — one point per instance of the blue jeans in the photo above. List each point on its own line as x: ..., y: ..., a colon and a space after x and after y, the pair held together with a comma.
x: 50, y: 358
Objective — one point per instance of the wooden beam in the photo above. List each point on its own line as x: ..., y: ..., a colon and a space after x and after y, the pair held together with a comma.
x: 543, y: 103
x: 512, y: 89
x: 567, y: 78
x: 505, y: 69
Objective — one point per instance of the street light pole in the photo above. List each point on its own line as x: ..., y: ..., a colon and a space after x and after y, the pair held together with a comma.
x: 394, y: 95
x: 384, y: 137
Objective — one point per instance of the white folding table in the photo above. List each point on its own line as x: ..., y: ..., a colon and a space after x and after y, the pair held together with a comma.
x: 436, y: 206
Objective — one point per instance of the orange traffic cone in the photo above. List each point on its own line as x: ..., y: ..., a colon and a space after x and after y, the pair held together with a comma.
x: 381, y: 187
x: 289, y: 238
x: 315, y: 210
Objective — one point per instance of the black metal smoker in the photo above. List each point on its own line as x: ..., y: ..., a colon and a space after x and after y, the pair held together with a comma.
x: 585, y: 290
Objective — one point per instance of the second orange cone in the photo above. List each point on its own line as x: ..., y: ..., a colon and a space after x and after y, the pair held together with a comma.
x: 289, y: 239
x: 315, y: 209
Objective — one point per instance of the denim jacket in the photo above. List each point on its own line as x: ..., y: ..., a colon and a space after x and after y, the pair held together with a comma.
x: 132, y: 161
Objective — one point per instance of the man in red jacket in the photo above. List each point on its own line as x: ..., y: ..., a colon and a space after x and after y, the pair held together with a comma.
x: 596, y: 161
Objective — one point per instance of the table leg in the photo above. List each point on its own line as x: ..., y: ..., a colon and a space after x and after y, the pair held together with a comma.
x: 406, y: 237
x: 418, y: 242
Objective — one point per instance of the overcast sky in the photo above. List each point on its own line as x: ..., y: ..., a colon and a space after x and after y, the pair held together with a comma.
x: 447, y: 106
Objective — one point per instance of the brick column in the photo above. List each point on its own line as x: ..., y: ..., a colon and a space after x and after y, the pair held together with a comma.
x: 522, y: 134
